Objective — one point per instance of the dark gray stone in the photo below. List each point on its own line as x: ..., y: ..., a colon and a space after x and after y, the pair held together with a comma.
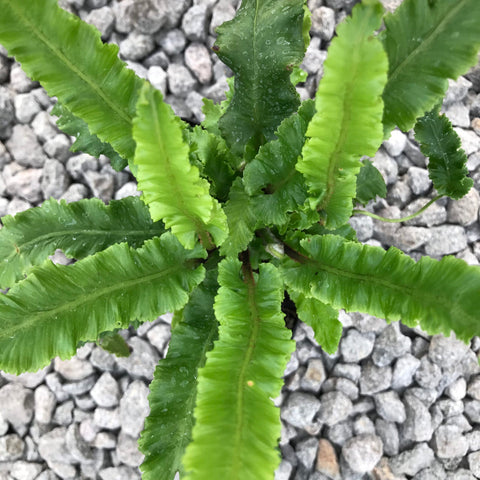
x: 101, y: 184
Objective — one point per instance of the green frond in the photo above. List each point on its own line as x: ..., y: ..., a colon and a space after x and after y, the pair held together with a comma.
x: 427, y: 42
x: 261, y: 45
x: 440, y: 296
x: 171, y: 186
x: 370, y: 184
x: 85, y: 142
x: 56, y: 306
x: 273, y: 172
x: 237, y: 425
x: 349, y: 107
x: 68, y: 58
x: 216, y: 160
x: 113, y: 342
x: 79, y: 229
x: 447, y: 166
x: 174, y: 387
x: 214, y: 111
x: 322, y: 318
x: 241, y: 220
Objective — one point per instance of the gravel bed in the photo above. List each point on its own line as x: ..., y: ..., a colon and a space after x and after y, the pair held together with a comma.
x: 391, y: 404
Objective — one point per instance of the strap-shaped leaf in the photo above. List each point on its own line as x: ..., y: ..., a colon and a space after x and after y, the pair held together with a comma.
x: 261, y: 45
x: 440, y: 296
x: 347, y: 124
x: 370, y: 183
x: 79, y: 229
x: 56, y: 306
x: 171, y: 186
x: 273, y: 170
x: 447, y: 166
x: 237, y: 425
x: 427, y: 42
x: 322, y: 318
x: 174, y: 387
x: 85, y: 141
x: 241, y: 220
x: 68, y: 58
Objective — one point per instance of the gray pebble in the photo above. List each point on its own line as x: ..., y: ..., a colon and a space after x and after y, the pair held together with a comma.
x: 195, y: 102
x: 428, y: 374
x: 363, y: 452
x: 410, y: 462
x: 457, y: 90
x: 134, y: 407
x: 458, y: 114
x: 105, y: 440
x: 22, y: 470
x: 180, y: 80
x: 313, y: 60
x: 449, y: 442
x: 350, y: 371
x: 53, y: 449
x: 314, y: 376
x: 24, y: 147
x: 472, y: 410
x: 390, y: 407
x: 136, y: 46
x: 323, y: 23
x: 343, y: 385
x: 142, y: 361
x: 388, y: 433
x: 300, y: 409
x: 374, y: 379
x: 63, y: 413
x: 418, y: 180
x: 159, y: 336
x: 470, y: 140
x: 457, y: 390
x: 172, y: 42
x: 390, y: 344
x: 73, y: 369
x: 396, y: 143
x: 45, y: 403
x: 75, y: 192
x: 446, y: 240
x: 464, y: 211
x: 79, y: 164
x: 58, y: 147
x: 386, y: 166
x: 101, y: 184
x: 55, y: 179
x: 127, y: 450
x: 362, y: 425
x: 474, y: 463
x: 197, y: 59
x: 19, y: 80
x: 356, y: 346
x: 4, y: 69
x: 44, y: 126
x: 411, y: 238
x: 446, y: 351
x: 435, y: 214
x: 418, y: 424
x: 306, y: 451
x: 363, y: 226
x: 119, y: 473
x: 16, y: 404
x: 106, y: 393
x: 335, y: 408
x: 17, y: 205
x: 223, y: 12
x: 195, y: 23
x: 103, y: 19
x: 25, y: 183
x: 77, y: 446
x: 26, y: 107
x: 175, y: 11
x: 107, y: 419
x: 11, y: 447
x: 157, y: 76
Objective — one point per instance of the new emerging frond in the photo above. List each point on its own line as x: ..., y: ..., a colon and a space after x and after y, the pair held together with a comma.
x: 349, y: 107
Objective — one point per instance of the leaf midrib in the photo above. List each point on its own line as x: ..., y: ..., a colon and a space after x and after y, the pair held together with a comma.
x: 45, y: 315
x: 64, y: 60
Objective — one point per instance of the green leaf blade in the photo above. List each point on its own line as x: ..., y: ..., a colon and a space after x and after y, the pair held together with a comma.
x: 427, y: 42
x: 171, y: 186
x: 447, y: 166
x: 79, y: 229
x: 349, y: 107
x: 237, y: 426
x: 261, y: 45
x: 173, y: 390
x: 68, y: 58
x: 370, y: 184
x: 440, y: 296
x: 57, y: 306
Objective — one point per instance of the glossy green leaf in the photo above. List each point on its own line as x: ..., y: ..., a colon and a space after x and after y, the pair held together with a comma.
x: 261, y: 45
x: 79, y: 229
x: 171, y: 186
x: 447, y: 166
x: 273, y: 172
x: 86, y: 142
x: 427, y: 42
x: 69, y: 59
x: 113, y: 342
x: 237, y: 425
x: 370, y: 183
x: 349, y: 107
x: 440, y: 296
x: 322, y: 318
x: 57, y: 306
x: 174, y: 387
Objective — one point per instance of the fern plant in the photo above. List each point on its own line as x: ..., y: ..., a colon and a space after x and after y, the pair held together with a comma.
x: 236, y: 214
